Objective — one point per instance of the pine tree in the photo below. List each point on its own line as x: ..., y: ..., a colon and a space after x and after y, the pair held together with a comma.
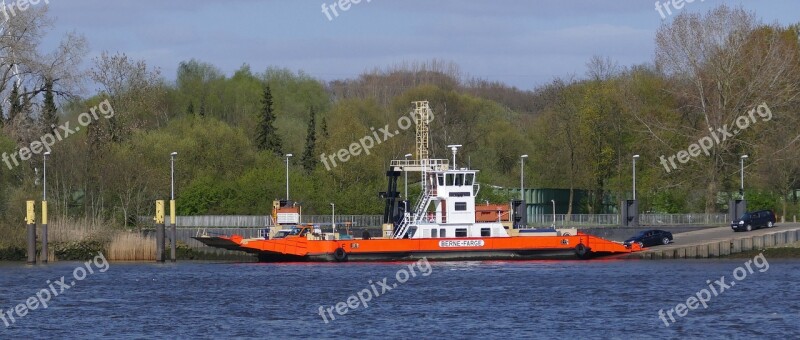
x: 267, y: 137
x: 49, y: 109
x: 27, y: 106
x: 16, y: 106
x: 324, y: 128
x: 309, y: 158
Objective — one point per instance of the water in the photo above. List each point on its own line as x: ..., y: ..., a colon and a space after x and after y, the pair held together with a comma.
x: 535, y: 299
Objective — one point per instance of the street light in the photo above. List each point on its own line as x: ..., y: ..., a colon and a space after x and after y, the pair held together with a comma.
x: 522, y: 177
x: 635, y: 157
x: 172, y: 174
x: 333, y: 217
x: 406, y: 173
x: 287, y: 175
x: 741, y: 190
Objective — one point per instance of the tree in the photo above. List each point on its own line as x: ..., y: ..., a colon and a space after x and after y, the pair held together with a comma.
x: 309, y: 155
x: 49, y: 111
x: 16, y: 105
x: 562, y: 116
x: 267, y: 137
x: 135, y: 90
x: 324, y: 128
x: 722, y: 65
x: 24, y: 64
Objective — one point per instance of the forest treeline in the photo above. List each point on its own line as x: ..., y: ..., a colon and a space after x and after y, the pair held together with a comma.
x: 232, y: 132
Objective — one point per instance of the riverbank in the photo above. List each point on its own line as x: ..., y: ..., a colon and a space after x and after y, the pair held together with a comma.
x: 81, y: 252
x: 791, y: 251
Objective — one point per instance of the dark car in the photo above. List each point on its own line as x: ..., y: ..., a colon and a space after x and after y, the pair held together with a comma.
x: 754, y: 220
x: 648, y: 238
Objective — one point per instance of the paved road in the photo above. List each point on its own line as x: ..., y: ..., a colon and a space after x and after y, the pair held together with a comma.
x: 720, y: 234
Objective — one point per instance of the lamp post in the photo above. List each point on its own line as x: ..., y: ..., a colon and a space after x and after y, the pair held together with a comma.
x: 405, y: 195
x: 741, y: 189
x: 172, y: 218
x: 287, y: 175
x: 522, y: 176
x: 333, y: 217
x: 44, y: 176
x: 635, y: 157
x: 172, y: 174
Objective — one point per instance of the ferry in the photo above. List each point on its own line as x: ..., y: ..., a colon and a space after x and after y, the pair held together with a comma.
x: 444, y: 224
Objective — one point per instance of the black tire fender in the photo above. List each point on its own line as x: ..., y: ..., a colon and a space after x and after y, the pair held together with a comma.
x: 340, y: 255
x: 582, y: 251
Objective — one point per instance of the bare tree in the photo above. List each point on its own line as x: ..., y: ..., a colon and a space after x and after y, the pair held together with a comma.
x: 722, y: 65
x: 136, y: 92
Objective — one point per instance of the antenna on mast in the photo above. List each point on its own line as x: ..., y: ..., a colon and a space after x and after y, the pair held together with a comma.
x: 454, y: 148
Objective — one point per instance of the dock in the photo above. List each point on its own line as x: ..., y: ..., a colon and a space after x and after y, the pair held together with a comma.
x: 721, y: 241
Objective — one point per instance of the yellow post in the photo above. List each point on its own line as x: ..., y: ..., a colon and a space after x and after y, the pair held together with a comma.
x: 45, y: 250
x: 160, y: 230
x: 31, y: 216
x: 44, y: 212
x: 30, y: 221
x: 172, y: 212
x: 159, y: 212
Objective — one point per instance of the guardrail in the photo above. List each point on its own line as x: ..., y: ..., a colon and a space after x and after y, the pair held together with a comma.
x: 644, y: 219
x: 265, y: 221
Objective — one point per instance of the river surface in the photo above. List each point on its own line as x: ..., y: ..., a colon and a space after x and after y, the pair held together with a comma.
x: 604, y: 299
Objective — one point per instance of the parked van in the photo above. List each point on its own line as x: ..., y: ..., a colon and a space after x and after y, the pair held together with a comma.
x: 754, y: 220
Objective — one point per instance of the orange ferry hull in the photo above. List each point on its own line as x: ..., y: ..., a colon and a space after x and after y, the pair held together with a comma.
x: 475, y: 248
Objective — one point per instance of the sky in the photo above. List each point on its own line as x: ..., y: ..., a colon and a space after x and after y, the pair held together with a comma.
x: 521, y: 43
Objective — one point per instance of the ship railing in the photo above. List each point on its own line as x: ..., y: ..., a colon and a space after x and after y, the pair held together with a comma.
x: 402, y: 228
x: 420, y: 164
x: 422, y: 203
x: 354, y: 220
x: 418, y: 214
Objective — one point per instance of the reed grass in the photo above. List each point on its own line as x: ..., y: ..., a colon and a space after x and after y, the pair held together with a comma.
x: 66, y: 229
x: 131, y: 246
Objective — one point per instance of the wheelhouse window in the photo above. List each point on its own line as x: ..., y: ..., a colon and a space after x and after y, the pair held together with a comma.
x: 450, y: 179
x: 461, y: 206
x: 461, y: 232
x: 486, y: 232
x: 441, y: 179
x: 460, y: 179
x: 469, y: 179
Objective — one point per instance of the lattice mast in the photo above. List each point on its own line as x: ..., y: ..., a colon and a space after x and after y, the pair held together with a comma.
x: 422, y: 113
